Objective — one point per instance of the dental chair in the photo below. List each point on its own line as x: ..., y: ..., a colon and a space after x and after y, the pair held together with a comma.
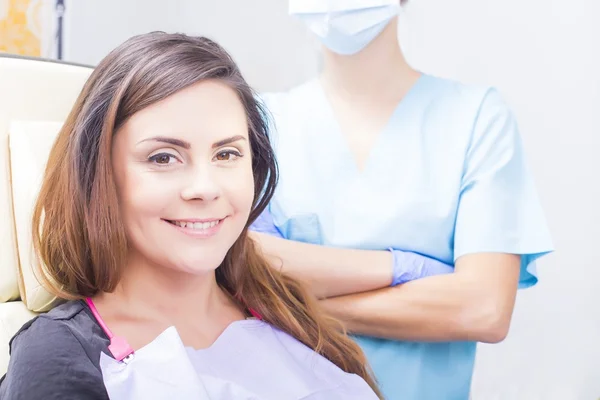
x: 36, y: 96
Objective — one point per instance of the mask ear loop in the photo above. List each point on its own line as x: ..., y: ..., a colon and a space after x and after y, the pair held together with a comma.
x: 119, y: 348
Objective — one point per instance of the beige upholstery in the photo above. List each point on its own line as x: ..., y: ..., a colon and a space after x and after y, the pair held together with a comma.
x: 35, y: 97
x: 29, y: 143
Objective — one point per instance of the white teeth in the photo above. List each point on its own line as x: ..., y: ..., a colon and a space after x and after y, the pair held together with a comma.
x: 196, y: 225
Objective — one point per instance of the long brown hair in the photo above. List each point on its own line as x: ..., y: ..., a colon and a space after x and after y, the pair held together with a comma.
x: 78, y: 233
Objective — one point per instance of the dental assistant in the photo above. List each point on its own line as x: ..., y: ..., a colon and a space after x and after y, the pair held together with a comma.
x: 375, y: 156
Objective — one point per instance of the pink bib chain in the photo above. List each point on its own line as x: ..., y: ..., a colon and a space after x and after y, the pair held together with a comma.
x: 119, y: 348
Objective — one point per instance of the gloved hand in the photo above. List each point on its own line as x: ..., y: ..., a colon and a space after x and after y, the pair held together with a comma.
x: 265, y: 224
x: 409, y: 266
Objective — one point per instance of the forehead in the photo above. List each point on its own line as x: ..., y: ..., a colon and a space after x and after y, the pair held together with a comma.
x: 204, y: 112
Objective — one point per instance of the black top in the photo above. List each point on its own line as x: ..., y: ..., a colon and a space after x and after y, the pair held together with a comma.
x: 56, y: 356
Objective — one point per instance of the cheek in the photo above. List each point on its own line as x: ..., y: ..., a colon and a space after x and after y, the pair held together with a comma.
x: 142, y: 194
x: 240, y: 191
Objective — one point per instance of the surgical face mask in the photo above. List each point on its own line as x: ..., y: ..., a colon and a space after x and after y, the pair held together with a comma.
x: 345, y: 26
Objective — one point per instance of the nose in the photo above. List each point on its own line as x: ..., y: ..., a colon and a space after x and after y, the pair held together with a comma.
x: 201, y: 184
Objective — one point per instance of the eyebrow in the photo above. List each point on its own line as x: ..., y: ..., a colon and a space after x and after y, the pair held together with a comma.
x: 187, y: 145
x: 173, y: 141
x: 227, y: 141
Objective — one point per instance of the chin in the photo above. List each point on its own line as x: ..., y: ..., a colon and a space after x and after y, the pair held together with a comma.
x: 199, y: 266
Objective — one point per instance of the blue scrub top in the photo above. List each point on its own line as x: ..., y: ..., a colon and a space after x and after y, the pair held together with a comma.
x: 446, y: 177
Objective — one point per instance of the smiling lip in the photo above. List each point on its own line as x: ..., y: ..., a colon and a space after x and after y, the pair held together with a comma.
x: 200, y: 228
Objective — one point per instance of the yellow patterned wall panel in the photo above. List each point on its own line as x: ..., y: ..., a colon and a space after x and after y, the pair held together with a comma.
x: 20, y: 27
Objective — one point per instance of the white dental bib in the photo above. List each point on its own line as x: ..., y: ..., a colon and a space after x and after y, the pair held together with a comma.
x: 251, y: 360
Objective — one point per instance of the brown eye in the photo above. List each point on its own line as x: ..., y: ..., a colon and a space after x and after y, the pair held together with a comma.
x: 162, y: 159
x: 227, y: 155
x: 224, y: 156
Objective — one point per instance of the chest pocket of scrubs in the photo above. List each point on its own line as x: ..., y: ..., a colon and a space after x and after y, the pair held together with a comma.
x: 303, y: 228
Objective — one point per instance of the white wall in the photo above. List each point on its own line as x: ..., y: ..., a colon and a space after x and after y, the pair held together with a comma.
x: 273, y: 51
x: 545, y: 57
x: 542, y: 54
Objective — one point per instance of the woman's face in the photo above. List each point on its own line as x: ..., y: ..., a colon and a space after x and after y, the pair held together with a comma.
x: 183, y: 171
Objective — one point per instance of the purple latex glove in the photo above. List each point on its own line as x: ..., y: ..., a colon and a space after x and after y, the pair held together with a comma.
x: 265, y: 224
x: 410, y: 266
x: 407, y: 266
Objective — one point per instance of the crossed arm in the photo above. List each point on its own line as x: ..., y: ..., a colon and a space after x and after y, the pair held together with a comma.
x: 474, y: 303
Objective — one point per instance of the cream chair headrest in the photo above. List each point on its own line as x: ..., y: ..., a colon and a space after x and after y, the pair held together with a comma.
x: 30, y: 143
x: 30, y: 90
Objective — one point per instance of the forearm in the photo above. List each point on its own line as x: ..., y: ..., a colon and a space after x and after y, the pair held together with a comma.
x: 453, y: 307
x: 329, y: 271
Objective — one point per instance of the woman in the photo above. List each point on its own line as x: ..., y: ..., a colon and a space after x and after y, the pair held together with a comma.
x: 161, y: 166
x: 373, y: 156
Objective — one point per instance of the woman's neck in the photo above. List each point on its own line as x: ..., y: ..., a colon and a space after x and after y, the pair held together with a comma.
x: 172, y: 297
x: 379, y: 70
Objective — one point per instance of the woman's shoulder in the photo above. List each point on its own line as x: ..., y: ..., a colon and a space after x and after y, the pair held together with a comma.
x: 70, y: 321
x: 56, y: 354
x: 432, y: 93
x: 453, y: 95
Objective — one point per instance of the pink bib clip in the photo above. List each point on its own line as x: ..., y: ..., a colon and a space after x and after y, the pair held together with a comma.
x: 252, y: 311
x: 119, y: 348
x: 255, y: 313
